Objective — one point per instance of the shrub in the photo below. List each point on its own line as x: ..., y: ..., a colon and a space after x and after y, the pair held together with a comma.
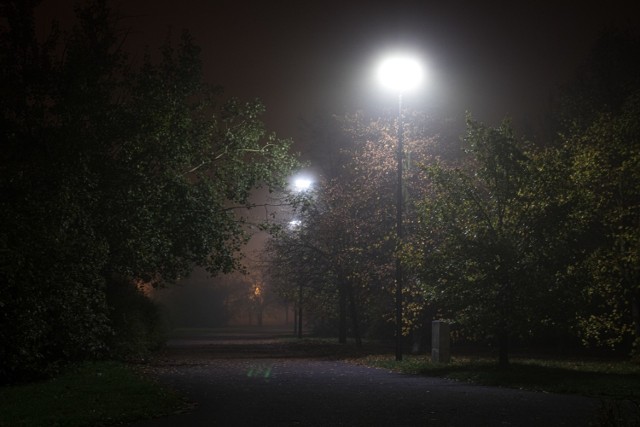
x: 138, y: 324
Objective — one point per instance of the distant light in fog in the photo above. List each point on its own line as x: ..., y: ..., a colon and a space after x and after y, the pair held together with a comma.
x: 294, y: 224
x: 302, y: 184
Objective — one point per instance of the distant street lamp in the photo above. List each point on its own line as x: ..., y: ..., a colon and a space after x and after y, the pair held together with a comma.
x: 399, y: 74
x: 300, y: 185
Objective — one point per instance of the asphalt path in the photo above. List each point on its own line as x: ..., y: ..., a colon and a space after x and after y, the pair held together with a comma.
x: 252, y: 378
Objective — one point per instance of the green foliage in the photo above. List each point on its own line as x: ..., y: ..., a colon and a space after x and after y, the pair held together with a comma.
x: 110, y: 173
x: 521, y: 241
x: 481, y: 232
x: 601, y: 143
x: 605, y: 171
x: 53, y: 305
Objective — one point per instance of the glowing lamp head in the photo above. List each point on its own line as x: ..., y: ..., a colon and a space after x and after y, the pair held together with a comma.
x: 400, y: 73
x: 294, y: 224
x: 302, y: 184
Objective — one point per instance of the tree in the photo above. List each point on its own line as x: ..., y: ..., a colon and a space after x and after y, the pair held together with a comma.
x: 481, y: 232
x: 605, y: 171
x: 112, y: 175
x: 343, y: 248
x: 599, y: 135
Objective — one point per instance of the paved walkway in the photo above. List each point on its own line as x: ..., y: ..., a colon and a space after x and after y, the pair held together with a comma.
x: 250, y: 380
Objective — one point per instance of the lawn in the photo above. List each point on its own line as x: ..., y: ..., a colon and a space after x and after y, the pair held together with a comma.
x: 601, y: 378
x: 616, y: 384
x: 610, y: 380
x: 92, y: 394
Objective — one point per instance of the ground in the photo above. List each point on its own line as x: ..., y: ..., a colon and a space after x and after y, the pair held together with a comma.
x: 253, y: 378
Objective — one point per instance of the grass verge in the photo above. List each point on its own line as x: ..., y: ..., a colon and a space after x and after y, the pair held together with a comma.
x: 92, y: 394
x: 615, y: 380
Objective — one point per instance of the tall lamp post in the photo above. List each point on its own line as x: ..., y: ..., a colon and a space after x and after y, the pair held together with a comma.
x: 300, y: 185
x: 400, y: 74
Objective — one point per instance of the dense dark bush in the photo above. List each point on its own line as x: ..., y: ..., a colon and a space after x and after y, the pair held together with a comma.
x: 139, y: 325
x: 52, y: 305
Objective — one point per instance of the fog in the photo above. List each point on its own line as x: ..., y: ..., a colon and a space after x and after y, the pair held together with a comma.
x: 201, y: 301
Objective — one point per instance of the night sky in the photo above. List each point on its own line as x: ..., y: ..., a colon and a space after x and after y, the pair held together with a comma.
x: 302, y: 58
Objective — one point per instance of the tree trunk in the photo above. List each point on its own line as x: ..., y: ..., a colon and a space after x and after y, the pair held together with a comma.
x: 300, y: 321
x: 342, y: 326
x: 286, y: 312
x: 503, y: 348
x: 354, y: 316
x: 295, y: 320
x: 505, y: 316
x: 635, y: 313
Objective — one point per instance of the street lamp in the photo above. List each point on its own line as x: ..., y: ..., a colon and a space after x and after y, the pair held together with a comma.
x: 301, y: 184
x: 400, y: 74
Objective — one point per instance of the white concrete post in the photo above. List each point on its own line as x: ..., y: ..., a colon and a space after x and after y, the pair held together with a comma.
x: 440, y: 348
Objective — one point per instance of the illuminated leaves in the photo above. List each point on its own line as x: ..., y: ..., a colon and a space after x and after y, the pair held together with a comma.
x: 605, y: 164
x: 478, y: 225
x: 344, y: 248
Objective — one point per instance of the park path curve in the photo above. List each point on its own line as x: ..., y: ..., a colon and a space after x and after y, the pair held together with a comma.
x: 250, y: 379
